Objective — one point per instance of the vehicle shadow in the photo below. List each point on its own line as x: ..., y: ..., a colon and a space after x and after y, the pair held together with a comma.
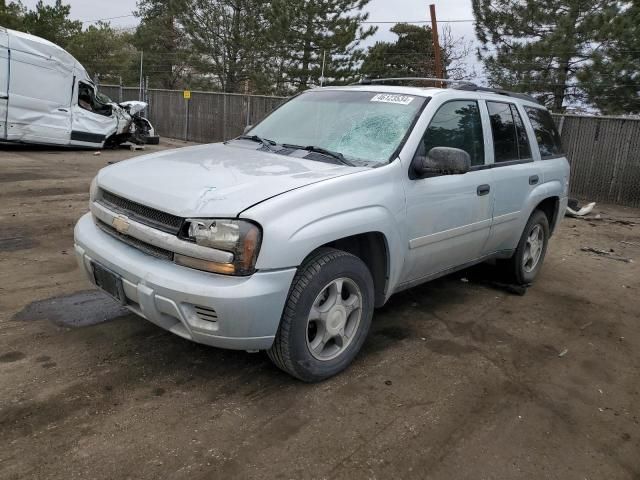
x: 139, y: 348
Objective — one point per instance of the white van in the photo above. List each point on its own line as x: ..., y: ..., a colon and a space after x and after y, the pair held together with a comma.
x: 47, y: 97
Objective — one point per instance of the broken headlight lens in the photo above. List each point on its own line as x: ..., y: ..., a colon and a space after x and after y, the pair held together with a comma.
x: 240, y: 237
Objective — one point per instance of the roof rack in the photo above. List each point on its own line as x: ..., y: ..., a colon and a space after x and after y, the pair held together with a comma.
x: 475, y: 88
x: 371, y: 81
x: 456, y: 85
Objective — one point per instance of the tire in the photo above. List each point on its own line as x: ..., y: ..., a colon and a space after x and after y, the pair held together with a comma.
x: 522, y: 267
x: 152, y: 140
x: 298, y: 348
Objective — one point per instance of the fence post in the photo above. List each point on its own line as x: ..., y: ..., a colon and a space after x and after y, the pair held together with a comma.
x: 224, y: 117
x: 146, y: 96
x: 120, y: 94
x: 561, y: 124
x: 187, y: 101
x: 248, y: 121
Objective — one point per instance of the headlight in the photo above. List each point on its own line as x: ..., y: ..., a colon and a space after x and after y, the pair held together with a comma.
x: 240, y: 237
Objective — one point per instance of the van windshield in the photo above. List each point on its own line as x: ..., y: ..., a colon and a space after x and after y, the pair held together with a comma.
x: 362, y: 126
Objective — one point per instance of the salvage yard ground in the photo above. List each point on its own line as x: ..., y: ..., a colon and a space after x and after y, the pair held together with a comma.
x: 458, y: 379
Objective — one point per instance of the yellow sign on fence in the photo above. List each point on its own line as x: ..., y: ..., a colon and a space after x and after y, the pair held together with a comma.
x: 187, y: 94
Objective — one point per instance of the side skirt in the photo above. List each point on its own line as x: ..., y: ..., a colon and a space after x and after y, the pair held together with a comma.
x: 433, y: 276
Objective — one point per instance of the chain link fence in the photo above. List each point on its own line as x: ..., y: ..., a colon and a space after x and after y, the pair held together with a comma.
x: 604, y: 151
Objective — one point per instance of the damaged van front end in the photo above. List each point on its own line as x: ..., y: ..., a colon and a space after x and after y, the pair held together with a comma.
x: 47, y: 97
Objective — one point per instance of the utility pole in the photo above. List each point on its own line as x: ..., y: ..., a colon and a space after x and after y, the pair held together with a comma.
x: 436, y: 44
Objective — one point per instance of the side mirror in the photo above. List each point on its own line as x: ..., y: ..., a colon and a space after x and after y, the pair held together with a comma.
x: 443, y: 161
x: 246, y: 129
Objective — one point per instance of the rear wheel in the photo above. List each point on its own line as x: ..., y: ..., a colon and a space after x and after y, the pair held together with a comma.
x: 326, y: 318
x: 526, y: 263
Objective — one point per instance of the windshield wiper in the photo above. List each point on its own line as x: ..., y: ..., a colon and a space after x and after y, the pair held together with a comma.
x: 264, y: 141
x: 323, y: 151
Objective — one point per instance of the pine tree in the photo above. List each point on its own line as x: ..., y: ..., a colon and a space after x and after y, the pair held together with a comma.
x: 612, y: 79
x: 306, y: 34
x: 11, y: 14
x: 107, y: 54
x: 411, y: 55
x: 52, y: 22
x: 228, y: 36
x: 161, y: 39
x: 539, y: 46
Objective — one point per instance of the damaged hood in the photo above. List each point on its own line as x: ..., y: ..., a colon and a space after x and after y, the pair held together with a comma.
x: 133, y: 106
x: 213, y: 180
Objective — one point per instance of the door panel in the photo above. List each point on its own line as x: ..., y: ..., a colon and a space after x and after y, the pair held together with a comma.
x: 90, y: 128
x: 515, y: 175
x: 448, y: 222
x: 4, y: 82
x: 40, y: 100
x: 449, y: 216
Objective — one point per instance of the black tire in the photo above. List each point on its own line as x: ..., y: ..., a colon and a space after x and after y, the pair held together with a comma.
x: 152, y: 140
x: 515, y: 265
x: 290, y: 350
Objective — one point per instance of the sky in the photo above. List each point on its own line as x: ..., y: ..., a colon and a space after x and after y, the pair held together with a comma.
x: 379, y: 10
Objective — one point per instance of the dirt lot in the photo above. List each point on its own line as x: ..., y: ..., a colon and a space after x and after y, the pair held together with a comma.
x: 459, y: 379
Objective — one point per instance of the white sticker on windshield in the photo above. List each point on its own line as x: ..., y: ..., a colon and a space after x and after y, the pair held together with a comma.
x: 393, y: 98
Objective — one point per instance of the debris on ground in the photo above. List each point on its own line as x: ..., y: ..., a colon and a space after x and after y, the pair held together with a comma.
x: 607, y: 253
x: 135, y: 147
x: 95, y: 154
x: 633, y: 244
x: 627, y: 223
x: 574, y: 209
x: 563, y: 352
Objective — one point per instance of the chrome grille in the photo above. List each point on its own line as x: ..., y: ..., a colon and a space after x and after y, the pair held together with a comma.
x: 135, y: 243
x: 141, y: 213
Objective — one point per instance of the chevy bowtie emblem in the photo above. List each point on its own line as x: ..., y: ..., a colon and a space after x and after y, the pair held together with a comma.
x: 121, y: 224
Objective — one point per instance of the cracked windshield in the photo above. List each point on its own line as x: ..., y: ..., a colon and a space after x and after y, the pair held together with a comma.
x: 362, y: 126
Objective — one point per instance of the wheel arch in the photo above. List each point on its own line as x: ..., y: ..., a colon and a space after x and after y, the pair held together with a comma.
x: 372, y: 248
x: 550, y: 207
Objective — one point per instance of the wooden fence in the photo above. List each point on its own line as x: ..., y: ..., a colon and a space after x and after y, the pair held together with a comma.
x: 604, y: 151
x: 605, y: 157
x: 206, y: 117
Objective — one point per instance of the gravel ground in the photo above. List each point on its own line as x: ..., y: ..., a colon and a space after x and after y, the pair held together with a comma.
x: 459, y: 378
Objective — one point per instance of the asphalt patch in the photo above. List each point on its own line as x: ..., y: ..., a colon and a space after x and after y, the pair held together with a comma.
x: 80, y: 309
x: 16, y: 242
x: 8, y: 177
x: 11, y: 357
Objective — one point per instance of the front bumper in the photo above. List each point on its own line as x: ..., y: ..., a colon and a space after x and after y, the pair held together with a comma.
x: 240, y: 313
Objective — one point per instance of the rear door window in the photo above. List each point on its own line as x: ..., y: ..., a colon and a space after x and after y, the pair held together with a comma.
x: 547, y: 135
x: 510, y: 141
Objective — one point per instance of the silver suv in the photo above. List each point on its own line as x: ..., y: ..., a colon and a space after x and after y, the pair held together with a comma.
x: 286, y: 238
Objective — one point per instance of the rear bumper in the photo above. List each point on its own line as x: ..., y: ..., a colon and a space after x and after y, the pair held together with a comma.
x: 246, y: 310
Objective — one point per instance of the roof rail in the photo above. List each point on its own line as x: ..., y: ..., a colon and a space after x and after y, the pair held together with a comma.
x: 456, y: 85
x: 371, y: 81
x: 499, y: 91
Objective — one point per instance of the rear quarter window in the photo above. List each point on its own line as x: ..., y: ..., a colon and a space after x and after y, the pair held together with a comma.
x: 547, y: 135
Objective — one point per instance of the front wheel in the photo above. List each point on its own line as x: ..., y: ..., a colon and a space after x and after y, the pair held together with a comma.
x: 527, y: 260
x: 326, y: 318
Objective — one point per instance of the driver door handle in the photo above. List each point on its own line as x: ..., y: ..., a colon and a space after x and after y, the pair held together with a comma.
x: 483, y: 190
